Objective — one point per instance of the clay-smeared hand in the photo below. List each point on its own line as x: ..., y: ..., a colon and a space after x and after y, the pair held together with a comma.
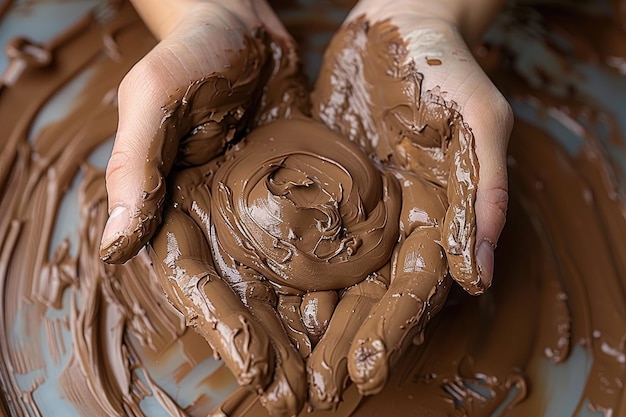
x: 200, y: 87
x: 221, y: 69
x: 404, y: 85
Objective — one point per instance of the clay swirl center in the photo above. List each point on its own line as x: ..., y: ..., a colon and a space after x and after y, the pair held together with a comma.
x: 304, y: 207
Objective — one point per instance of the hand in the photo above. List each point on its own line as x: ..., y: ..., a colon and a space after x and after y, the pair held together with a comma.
x: 220, y: 69
x: 400, y: 80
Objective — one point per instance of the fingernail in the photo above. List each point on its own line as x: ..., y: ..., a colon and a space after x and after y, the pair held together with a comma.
x: 484, y: 262
x: 116, y: 225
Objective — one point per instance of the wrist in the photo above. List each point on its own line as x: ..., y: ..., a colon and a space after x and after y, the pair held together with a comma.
x: 471, y: 18
x: 162, y: 16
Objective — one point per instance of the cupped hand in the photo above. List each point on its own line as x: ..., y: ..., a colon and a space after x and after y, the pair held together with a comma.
x: 400, y: 80
x: 221, y: 69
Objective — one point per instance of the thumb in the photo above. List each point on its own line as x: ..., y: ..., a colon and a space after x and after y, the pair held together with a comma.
x: 488, y: 115
x: 185, y: 89
x: 488, y: 121
x: 491, y: 122
x: 478, y: 193
x: 135, y: 175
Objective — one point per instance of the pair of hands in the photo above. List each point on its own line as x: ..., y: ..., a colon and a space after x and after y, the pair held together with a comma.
x: 200, y: 38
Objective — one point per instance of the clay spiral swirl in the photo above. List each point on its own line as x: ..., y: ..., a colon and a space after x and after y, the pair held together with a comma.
x: 304, y: 207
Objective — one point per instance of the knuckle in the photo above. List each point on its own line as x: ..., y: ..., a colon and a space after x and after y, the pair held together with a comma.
x: 498, y: 109
x: 131, y: 79
x: 491, y: 112
x: 498, y: 194
x: 503, y: 110
x: 495, y: 204
x: 145, y: 79
x: 118, y: 166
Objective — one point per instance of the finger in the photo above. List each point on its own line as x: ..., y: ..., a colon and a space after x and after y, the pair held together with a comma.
x: 416, y: 293
x: 184, y: 87
x: 478, y: 193
x: 327, y: 366
x: 491, y: 139
x: 285, y: 395
x: 476, y: 126
x: 286, y: 392
x: 182, y: 261
x: 285, y: 93
x: 459, y: 228
x: 316, y: 310
x: 289, y: 311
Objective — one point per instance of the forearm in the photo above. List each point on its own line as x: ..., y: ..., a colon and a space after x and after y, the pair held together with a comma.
x: 161, y: 16
x: 471, y: 17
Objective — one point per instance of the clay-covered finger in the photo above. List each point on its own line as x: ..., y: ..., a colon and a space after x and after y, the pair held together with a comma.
x: 459, y: 228
x: 327, y: 366
x: 286, y: 393
x: 316, y: 310
x: 491, y: 139
x: 289, y: 310
x: 184, y: 267
x: 416, y: 292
